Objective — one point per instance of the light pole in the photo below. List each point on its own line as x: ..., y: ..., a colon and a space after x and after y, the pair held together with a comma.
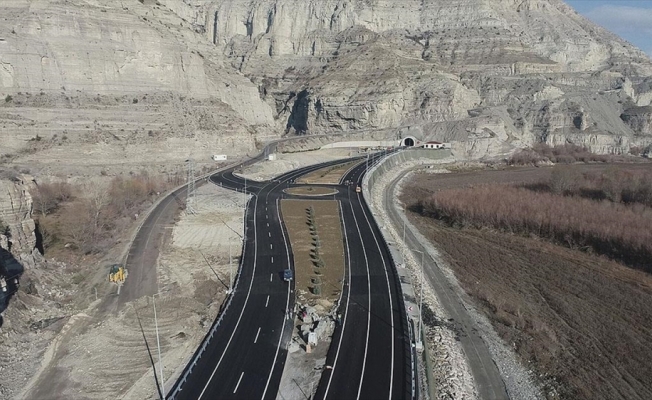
x: 420, y: 294
x: 230, y: 269
x: 244, y: 208
x: 158, y: 344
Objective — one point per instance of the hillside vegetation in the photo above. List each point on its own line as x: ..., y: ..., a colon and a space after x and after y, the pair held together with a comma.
x: 76, y: 220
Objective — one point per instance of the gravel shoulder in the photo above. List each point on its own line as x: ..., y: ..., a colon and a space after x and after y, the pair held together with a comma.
x: 452, y: 377
x: 101, y: 356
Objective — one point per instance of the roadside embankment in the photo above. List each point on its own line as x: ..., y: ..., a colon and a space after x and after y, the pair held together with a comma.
x: 470, y: 360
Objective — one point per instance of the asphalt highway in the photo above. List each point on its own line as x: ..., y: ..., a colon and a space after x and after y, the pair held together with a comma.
x: 369, y: 356
x: 245, y: 357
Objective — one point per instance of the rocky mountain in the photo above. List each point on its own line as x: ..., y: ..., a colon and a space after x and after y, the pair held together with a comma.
x: 17, y: 233
x: 181, y: 76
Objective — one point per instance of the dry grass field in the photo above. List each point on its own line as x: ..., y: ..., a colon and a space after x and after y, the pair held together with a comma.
x: 328, y: 228
x: 311, y: 191
x: 328, y: 175
x: 583, y: 322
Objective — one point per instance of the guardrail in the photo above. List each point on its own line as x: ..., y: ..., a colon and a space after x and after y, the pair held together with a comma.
x: 370, y: 178
x: 211, y: 332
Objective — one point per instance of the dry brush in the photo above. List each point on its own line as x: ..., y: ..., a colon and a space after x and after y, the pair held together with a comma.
x: 623, y: 232
x: 90, y: 218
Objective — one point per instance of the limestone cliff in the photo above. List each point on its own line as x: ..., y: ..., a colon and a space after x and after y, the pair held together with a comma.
x: 102, y: 82
x: 536, y: 65
x: 639, y: 119
x: 17, y: 233
x: 201, y: 75
x: 110, y: 48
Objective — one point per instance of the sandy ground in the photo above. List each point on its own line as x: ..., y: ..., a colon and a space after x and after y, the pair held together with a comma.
x: 329, y: 175
x: 76, y: 350
x: 285, y: 162
x: 104, y: 356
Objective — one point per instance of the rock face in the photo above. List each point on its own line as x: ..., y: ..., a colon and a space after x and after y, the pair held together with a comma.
x: 531, y: 68
x: 99, y: 47
x: 17, y: 232
x: 105, y: 82
x: 639, y: 119
x: 18, y: 236
x: 493, y: 74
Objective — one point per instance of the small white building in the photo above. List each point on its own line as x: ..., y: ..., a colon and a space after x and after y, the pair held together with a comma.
x: 219, y: 157
x: 434, y: 145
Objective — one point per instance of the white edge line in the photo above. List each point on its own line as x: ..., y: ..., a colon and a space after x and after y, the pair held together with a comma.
x: 346, y: 308
x: 250, y: 286
x: 245, y: 303
x: 366, y: 345
x: 391, y: 309
x: 287, y: 301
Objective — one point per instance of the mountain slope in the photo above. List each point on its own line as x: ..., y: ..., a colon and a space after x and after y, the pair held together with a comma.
x: 203, y: 75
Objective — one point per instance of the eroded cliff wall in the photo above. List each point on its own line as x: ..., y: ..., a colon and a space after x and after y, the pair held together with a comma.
x: 494, y: 74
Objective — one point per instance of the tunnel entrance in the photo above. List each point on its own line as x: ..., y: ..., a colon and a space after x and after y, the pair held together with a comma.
x: 408, y: 141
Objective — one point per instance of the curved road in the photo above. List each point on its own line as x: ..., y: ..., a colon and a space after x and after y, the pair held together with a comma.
x: 488, y: 380
x: 369, y: 357
x: 245, y: 355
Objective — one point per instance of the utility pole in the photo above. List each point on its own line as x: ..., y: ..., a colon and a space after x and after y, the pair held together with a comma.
x: 190, y: 192
x: 420, y: 297
x: 158, y: 344
x: 230, y: 269
x: 149, y: 354
x: 244, y: 208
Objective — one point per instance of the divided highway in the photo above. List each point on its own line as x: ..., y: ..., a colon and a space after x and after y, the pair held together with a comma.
x: 244, y: 354
x: 369, y: 357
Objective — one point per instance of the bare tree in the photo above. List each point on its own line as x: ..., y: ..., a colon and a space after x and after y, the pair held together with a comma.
x: 47, y: 197
x: 564, y: 179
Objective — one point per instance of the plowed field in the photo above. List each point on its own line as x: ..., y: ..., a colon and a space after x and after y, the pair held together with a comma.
x: 584, y: 323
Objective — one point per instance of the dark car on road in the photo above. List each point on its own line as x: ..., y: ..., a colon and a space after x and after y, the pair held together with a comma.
x: 288, y: 275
